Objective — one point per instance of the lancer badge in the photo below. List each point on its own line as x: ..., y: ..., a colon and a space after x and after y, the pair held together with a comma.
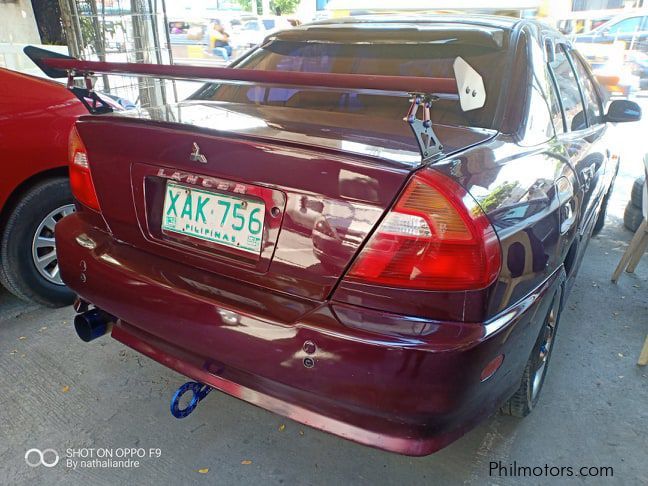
x: 196, y: 156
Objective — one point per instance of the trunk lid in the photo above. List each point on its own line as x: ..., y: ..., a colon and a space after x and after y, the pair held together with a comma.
x: 324, y: 180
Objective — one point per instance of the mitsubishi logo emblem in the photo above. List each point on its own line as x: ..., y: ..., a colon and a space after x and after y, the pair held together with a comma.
x: 196, y: 156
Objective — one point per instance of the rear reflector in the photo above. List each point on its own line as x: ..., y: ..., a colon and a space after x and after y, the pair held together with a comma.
x: 80, y: 176
x: 435, y: 237
x: 492, y: 366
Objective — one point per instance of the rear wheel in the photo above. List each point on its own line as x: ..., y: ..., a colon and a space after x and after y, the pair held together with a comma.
x: 526, y: 397
x: 28, y: 263
x: 636, y: 196
x: 632, y: 217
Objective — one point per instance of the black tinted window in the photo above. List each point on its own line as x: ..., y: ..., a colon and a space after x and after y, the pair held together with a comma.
x: 543, y: 107
x: 592, y: 103
x: 548, y: 90
x: 569, y: 92
x: 554, y: 104
x: 389, y: 52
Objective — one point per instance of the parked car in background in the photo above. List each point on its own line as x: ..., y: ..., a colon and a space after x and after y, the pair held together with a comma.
x: 428, y: 292
x: 35, y: 122
x: 254, y: 31
x: 188, y: 31
x: 631, y: 29
x: 582, y: 21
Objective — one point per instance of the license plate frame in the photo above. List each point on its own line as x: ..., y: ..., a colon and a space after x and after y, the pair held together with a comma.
x: 248, y: 242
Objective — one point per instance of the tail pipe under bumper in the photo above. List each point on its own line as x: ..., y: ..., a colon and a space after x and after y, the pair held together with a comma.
x: 91, y: 324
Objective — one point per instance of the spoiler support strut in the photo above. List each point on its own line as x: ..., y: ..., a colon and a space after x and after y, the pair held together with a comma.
x: 428, y: 142
x: 87, y: 95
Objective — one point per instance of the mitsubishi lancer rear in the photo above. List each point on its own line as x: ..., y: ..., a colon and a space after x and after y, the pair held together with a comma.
x: 334, y: 246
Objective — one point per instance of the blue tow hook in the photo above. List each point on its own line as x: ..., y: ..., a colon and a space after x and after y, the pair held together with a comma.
x: 199, y: 391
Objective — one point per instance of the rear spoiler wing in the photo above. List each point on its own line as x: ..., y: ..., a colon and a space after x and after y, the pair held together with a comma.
x: 467, y: 85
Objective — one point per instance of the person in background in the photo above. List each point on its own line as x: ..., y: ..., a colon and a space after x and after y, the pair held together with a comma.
x: 221, y: 43
x: 176, y: 28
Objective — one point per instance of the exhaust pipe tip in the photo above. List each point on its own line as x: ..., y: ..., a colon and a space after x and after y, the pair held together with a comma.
x: 93, y: 324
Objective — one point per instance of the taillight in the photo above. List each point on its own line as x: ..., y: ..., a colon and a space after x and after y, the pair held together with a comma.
x: 80, y: 176
x: 436, y: 237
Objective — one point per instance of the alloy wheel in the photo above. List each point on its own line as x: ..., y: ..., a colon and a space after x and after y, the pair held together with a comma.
x: 43, y: 245
x: 543, y: 351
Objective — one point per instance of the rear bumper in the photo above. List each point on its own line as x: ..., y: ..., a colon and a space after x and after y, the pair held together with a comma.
x: 411, y: 395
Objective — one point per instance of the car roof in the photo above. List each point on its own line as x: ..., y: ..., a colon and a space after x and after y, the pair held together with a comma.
x: 424, y: 21
x: 627, y: 15
x: 493, y: 21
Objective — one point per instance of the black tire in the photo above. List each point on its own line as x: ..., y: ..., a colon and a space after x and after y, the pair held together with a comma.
x: 636, y: 196
x: 526, y: 397
x: 600, y: 221
x: 18, y: 272
x: 632, y: 217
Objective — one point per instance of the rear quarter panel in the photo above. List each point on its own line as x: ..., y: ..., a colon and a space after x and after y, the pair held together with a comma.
x: 36, y: 117
x: 515, y: 187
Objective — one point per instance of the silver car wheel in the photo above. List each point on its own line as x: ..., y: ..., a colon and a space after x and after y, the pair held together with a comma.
x: 543, y: 353
x: 44, y: 248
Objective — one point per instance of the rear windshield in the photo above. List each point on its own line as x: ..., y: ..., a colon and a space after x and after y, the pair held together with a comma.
x: 410, y: 52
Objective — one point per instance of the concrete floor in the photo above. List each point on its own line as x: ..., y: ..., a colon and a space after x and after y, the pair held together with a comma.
x: 57, y: 392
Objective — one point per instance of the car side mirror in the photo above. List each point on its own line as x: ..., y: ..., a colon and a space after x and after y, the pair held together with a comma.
x: 621, y: 111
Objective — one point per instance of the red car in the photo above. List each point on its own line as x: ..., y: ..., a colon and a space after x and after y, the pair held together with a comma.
x: 427, y: 293
x: 36, y: 116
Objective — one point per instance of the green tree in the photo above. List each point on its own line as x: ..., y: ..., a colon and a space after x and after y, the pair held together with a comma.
x: 253, y: 6
x: 284, y: 7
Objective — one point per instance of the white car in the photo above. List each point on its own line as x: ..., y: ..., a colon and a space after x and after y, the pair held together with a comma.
x: 254, y: 31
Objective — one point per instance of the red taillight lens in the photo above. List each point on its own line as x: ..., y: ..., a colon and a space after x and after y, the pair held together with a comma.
x: 80, y: 176
x: 436, y: 237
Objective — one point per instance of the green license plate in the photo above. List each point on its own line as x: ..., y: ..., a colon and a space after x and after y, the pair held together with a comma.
x: 218, y: 218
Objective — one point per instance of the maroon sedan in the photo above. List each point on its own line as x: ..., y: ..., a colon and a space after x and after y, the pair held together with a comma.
x: 312, y: 253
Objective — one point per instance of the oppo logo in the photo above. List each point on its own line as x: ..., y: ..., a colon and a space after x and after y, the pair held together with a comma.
x: 36, y: 457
